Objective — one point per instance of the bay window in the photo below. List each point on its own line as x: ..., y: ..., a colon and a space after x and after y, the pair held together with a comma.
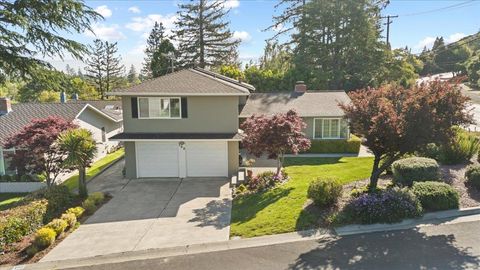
x: 330, y: 128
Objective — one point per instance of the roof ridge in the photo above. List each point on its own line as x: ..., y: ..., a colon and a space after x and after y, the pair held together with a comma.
x: 223, y: 77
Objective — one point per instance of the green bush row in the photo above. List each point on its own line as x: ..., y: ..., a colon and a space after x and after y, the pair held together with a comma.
x: 436, y: 196
x: 409, y: 170
x: 351, y: 145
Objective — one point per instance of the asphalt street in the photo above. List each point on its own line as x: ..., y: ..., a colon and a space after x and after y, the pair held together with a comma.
x: 447, y: 246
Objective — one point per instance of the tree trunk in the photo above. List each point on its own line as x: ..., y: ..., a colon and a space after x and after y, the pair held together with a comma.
x: 82, y: 183
x: 375, y: 174
x: 279, y: 163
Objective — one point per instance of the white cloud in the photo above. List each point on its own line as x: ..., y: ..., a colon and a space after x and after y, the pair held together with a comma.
x: 134, y: 9
x: 426, y: 42
x: 244, y: 36
x: 145, y: 24
x: 104, y: 32
x: 231, y: 4
x: 104, y: 11
x: 455, y: 37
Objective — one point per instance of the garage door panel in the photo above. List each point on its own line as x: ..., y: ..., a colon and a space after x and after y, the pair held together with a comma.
x: 157, y: 159
x: 207, y: 159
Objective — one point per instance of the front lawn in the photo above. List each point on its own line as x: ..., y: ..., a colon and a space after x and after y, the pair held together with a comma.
x: 280, y: 210
x: 7, y: 199
x: 72, y: 182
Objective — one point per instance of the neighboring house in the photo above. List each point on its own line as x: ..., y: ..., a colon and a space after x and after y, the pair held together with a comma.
x: 184, y: 124
x: 102, y: 118
x: 319, y: 110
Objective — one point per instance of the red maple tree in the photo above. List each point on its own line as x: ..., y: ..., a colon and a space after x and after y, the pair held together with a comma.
x: 35, y: 149
x: 275, y: 136
x: 394, y: 120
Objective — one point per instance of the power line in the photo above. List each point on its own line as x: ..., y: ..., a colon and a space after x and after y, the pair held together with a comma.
x: 458, y: 5
x: 388, y: 17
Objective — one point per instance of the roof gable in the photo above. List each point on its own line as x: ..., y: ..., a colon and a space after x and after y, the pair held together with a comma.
x: 188, y: 82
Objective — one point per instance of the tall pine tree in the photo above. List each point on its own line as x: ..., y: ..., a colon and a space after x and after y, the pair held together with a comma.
x: 132, y: 75
x: 203, y: 34
x: 104, y: 66
x: 157, y: 35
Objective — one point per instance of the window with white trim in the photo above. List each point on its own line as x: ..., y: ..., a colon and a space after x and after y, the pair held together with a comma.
x: 5, y: 161
x: 159, y: 108
x: 330, y: 128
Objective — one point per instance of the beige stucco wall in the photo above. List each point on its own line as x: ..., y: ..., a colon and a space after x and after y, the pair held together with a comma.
x: 93, y: 121
x: 233, y: 159
x: 130, y: 163
x: 210, y: 114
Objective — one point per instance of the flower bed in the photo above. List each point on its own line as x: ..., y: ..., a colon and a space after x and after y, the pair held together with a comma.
x: 260, y: 182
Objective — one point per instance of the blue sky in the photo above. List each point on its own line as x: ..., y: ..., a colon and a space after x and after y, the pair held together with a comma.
x: 129, y: 22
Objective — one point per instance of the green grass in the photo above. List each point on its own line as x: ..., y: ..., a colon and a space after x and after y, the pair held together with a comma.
x: 7, y: 199
x: 280, y: 210
x: 72, y: 182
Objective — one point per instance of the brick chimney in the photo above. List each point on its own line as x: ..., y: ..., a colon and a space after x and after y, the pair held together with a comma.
x: 300, y: 87
x: 5, y: 105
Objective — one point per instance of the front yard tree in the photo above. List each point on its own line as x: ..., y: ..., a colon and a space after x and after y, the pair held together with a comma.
x: 36, y: 151
x: 395, y: 121
x: 80, y: 148
x: 274, y: 136
x: 203, y: 34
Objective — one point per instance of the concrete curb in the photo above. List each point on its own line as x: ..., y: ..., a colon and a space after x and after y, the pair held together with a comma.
x: 428, y: 218
x: 181, y: 250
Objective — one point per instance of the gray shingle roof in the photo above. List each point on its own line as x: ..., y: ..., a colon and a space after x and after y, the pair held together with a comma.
x: 23, y: 113
x: 188, y: 82
x: 309, y: 104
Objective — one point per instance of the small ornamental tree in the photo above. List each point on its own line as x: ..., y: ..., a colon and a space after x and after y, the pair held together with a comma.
x: 394, y: 120
x: 80, y: 149
x: 274, y: 136
x: 35, y: 149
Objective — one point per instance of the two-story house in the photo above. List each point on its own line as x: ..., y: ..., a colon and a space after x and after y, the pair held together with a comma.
x: 184, y: 124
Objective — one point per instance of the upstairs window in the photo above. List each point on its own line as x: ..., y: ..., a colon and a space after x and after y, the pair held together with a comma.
x: 159, y: 108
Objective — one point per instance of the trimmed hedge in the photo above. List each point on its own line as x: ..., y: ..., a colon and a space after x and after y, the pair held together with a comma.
x: 20, y: 221
x: 409, y: 170
x: 351, y: 145
x: 325, y: 191
x: 436, y: 196
x: 473, y: 176
x: 44, y: 237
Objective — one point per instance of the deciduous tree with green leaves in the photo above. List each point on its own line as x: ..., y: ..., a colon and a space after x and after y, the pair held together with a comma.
x: 80, y: 149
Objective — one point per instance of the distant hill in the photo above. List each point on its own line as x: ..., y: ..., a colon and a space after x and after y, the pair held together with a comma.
x: 472, y: 41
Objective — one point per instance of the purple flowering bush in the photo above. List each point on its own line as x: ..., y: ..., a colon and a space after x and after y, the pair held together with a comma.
x: 388, y: 206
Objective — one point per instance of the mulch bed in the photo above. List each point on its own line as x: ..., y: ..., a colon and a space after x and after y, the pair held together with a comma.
x: 451, y: 174
x: 17, y: 255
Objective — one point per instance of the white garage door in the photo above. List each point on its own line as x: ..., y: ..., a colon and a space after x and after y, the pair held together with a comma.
x: 207, y: 159
x: 157, y: 159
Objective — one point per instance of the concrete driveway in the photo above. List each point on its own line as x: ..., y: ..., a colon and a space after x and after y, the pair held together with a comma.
x: 150, y: 213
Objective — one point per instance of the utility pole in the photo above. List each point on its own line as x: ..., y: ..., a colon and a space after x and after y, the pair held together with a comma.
x: 389, y: 21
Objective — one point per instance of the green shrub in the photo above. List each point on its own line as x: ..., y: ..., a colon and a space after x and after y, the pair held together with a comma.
x: 351, y: 145
x: 97, y: 197
x: 325, y: 191
x: 473, y: 176
x: 77, y: 211
x: 461, y: 150
x: 44, y: 237
x: 58, y: 225
x: 31, y: 251
x: 408, y: 170
x: 89, y: 206
x: 70, y: 218
x: 357, y: 192
x: 20, y: 221
x: 436, y: 196
x: 388, y: 206
x: 59, y: 199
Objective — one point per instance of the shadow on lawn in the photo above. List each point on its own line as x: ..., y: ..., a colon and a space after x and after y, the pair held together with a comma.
x: 299, y: 161
x: 409, y: 249
x: 247, y: 206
